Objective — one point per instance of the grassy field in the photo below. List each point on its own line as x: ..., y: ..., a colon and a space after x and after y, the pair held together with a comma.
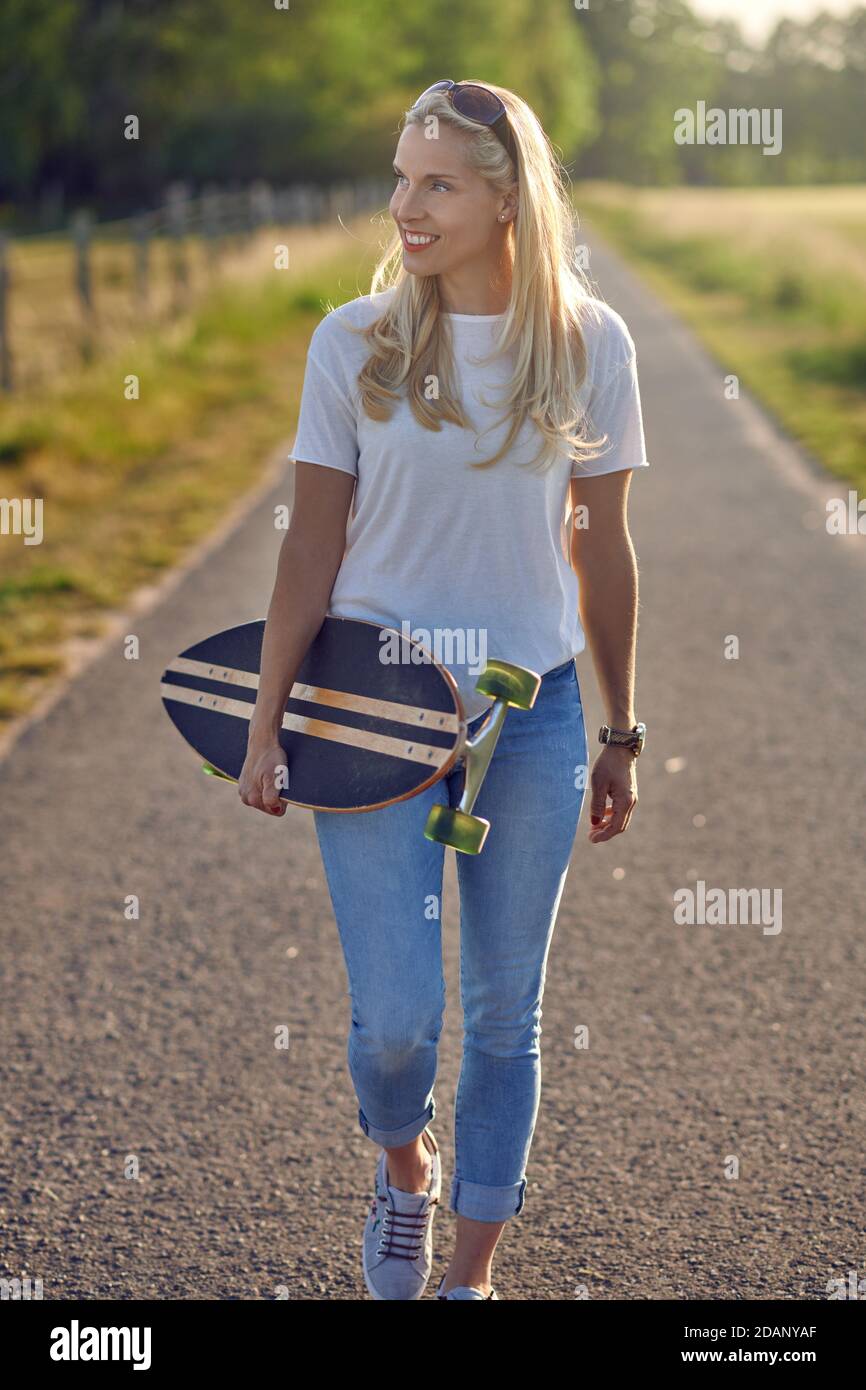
x: 129, y: 485
x: 48, y: 332
x: 774, y: 283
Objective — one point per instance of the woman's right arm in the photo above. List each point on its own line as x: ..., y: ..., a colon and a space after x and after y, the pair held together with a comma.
x: 310, y: 556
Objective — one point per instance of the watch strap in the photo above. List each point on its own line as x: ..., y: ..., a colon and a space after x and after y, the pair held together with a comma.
x: 623, y: 738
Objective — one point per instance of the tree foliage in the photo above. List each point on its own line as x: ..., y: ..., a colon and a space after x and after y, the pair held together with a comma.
x: 228, y: 92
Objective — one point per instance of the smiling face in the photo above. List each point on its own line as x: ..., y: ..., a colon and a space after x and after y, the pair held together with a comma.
x: 446, y: 213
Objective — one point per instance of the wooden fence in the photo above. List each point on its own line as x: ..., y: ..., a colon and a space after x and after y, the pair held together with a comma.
x: 66, y: 297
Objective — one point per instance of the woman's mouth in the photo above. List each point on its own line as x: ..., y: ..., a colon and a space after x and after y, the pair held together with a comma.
x: 417, y: 241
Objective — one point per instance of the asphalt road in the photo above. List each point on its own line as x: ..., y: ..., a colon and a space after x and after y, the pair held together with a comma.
x: 147, y: 1046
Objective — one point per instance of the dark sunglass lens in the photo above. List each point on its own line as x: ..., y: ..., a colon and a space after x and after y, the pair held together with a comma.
x: 477, y: 104
x: 437, y: 87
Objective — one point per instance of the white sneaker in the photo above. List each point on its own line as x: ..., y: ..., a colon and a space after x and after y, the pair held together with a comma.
x: 465, y: 1291
x: 398, y: 1234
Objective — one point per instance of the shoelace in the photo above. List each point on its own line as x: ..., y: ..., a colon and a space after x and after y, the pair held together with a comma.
x: 409, y: 1232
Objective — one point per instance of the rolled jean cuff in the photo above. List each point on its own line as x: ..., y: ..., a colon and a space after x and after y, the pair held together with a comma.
x: 482, y: 1203
x: 395, y: 1138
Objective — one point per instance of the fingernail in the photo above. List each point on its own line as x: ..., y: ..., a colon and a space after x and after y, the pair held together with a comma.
x: 595, y: 819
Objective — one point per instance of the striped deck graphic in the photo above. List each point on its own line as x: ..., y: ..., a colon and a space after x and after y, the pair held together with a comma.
x: 340, y: 699
x: 358, y: 734
x: 415, y: 751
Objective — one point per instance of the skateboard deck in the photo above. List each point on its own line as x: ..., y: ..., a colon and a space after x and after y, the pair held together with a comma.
x: 359, y: 732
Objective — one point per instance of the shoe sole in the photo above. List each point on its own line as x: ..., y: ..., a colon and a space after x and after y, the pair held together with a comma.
x: 443, y: 1298
x: 371, y: 1291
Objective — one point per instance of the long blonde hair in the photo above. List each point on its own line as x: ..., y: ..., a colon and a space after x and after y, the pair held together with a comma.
x: 550, y: 296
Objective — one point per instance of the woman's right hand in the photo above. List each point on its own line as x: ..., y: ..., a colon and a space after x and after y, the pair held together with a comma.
x: 256, y: 783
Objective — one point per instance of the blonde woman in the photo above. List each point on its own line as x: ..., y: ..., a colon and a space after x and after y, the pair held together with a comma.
x: 451, y: 423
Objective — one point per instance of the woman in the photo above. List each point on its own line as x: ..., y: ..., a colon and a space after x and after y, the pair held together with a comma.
x: 478, y: 324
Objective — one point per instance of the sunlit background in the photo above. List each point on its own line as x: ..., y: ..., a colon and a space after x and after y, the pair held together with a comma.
x: 758, y: 17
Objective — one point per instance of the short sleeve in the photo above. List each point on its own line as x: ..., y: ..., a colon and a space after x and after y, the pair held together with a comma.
x: 327, y: 423
x: 615, y: 410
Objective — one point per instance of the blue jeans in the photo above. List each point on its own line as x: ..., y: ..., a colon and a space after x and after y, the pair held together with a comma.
x: 385, y: 882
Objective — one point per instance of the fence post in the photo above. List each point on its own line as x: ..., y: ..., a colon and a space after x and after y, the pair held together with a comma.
x: 306, y: 209
x: 212, y: 221
x: 263, y: 203
x: 5, y: 347
x: 176, y: 209
x: 248, y: 212
x: 286, y: 204
x: 81, y: 236
x: 141, y: 239
x: 237, y: 208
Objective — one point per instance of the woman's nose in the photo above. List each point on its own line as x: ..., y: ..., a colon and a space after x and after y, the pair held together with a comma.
x: 408, y: 206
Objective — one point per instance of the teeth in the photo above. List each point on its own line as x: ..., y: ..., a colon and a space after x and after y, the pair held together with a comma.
x: 415, y: 240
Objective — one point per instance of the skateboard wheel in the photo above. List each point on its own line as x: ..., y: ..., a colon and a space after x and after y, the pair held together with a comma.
x: 215, y: 772
x: 516, y: 685
x: 448, y: 826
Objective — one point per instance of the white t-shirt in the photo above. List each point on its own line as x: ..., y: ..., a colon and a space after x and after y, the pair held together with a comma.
x: 473, y: 563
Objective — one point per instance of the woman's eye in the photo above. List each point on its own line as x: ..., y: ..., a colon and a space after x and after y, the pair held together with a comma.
x: 446, y: 186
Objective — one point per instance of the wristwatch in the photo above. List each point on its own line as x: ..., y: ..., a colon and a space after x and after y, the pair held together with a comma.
x: 624, y: 738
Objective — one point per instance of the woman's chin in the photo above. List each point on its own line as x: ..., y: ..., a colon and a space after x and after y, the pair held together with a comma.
x: 424, y: 262
x: 417, y: 269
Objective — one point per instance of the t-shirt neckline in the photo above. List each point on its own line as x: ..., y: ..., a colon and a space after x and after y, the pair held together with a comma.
x: 474, y: 318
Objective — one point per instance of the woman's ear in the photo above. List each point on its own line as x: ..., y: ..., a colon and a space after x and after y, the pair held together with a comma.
x: 509, y: 208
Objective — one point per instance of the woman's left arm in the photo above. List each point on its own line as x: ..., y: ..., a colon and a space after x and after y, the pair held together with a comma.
x: 603, y: 558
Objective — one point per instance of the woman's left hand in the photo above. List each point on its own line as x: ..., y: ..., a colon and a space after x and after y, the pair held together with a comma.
x: 614, y: 778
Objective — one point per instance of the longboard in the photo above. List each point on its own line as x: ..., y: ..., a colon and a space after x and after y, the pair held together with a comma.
x: 372, y: 718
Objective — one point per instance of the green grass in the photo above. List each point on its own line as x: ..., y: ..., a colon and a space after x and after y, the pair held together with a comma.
x: 774, y: 283
x: 129, y: 485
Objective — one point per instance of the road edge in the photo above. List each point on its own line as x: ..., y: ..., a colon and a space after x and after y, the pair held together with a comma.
x: 81, y: 653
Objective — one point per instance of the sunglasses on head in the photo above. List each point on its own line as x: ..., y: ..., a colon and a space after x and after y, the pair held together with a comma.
x: 479, y: 104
